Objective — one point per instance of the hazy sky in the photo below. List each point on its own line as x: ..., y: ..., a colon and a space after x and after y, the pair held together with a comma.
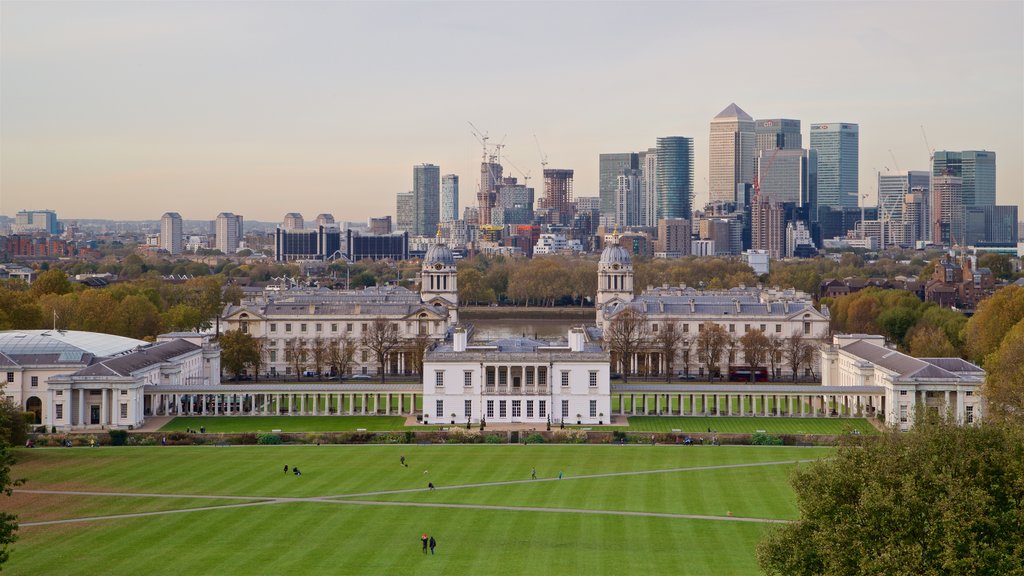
x: 130, y: 109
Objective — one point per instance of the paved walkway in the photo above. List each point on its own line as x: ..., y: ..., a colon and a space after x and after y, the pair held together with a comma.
x: 348, y: 498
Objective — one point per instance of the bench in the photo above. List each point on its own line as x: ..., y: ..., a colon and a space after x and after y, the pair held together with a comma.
x: 676, y: 430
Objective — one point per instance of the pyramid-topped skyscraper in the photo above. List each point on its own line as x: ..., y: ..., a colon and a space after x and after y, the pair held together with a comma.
x: 732, y: 147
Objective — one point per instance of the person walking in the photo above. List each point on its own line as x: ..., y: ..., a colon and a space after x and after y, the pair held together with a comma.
x: 433, y: 543
x: 296, y: 470
x: 430, y: 485
x: 559, y: 474
x: 285, y: 468
x: 533, y: 474
x: 424, y: 540
x: 402, y: 461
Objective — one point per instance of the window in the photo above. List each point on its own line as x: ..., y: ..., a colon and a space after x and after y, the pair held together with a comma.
x: 654, y: 327
x: 517, y: 409
x: 319, y: 327
x: 348, y: 327
x: 542, y: 408
x: 969, y: 393
x: 59, y: 408
x: 273, y: 355
x: 287, y: 327
x: 364, y: 327
x: 529, y: 376
x: 593, y: 408
x: 732, y: 356
x: 732, y: 327
x: 302, y: 327
x: 467, y: 409
x: 502, y: 376
x: 593, y: 378
x: 686, y: 327
x: 502, y: 408
x: 529, y: 408
x: 35, y: 381
x: 903, y: 392
x: 764, y: 328
x: 746, y: 328
x: 970, y: 414
x: 124, y: 409
x: 565, y: 409
x: 439, y: 409
x: 903, y: 413
x: 467, y: 378
x: 490, y: 408
x: 490, y: 375
x: 807, y: 328
x: 334, y: 327
x: 778, y: 328
x: 273, y: 327
x: 124, y: 392
x: 10, y: 376
x: 438, y: 377
x: 565, y: 377
x: 700, y: 327
x: 363, y: 355
x: 245, y: 327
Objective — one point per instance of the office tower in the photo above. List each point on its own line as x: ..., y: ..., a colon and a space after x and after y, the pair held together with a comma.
x: 893, y: 188
x: 513, y: 203
x: 588, y: 203
x: 610, y: 168
x: 229, y: 232
x: 649, y: 199
x: 1002, y: 225
x: 170, y: 233
x: 490, y: 179
x: 558, y: 196
x: 837, y: 146
x: 379, y: 226
x: 426, y: 186
x: 674, y: 237
x: 320, y: 243
x: 293, y: 221
x: 947, y: 208
x: 768, y: 228
x: 405, y: 211
x: 326, y: 220
x: 627, y: 199
x: 789, y: 176
x: 449, y: 197
x: 977, y: 170
x: 913, y: 218
x: 675, y: 177
x: 29, y: 221
x: 778, y: 133
x: 732, y: 145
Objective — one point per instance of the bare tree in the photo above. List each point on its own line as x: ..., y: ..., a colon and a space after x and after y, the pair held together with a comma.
x: 627, y: 334
x: 775, y: 348
x: 340, y: 354
x: 417, y: 350
x: 318, y: 350
x: 668, y: 341
x: 259, y: 360
x: 295, y: 355
x: 807, y: 355
x: 794, y: 353
x: 756, y: 348
x: 381, y: 339
x: 712, y: 342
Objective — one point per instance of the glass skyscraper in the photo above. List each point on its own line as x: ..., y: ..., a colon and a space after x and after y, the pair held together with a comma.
x: 781, y: 133
x: 732, y: 150
x: 611, y: 167
x: 426, y: 180
x: 837, y: 146
x: 449, y: 197
x: 893, y: 188
x: 675, y: 177
x: 977, y: 169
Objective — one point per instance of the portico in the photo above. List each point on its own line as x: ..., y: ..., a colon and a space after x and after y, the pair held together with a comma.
x: 282, y: 399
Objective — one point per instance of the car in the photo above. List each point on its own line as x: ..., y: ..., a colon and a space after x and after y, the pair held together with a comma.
x: 685, y: 376
x: 360, y: 377
x: 309, y: 373
x: 615, y: 377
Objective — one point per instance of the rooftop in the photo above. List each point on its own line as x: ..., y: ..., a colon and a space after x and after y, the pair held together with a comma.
x: 67, y: 345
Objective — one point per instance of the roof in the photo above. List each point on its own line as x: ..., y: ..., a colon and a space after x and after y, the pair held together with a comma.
x: 438, y: 254
x: 65, y: 346
x: 733, y: 111
x: 143, y: 358
x: 517, y: 348
x: 615, y: 254
x: 713, y: 305
x: 910, y: 368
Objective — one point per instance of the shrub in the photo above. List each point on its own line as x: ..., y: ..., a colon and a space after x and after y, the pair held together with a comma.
x: 619, y: 436
x: 266, y: 438
x: 763, y: 439
x: 535, y: 438
x: 461, y: 435
x: 118, y: 437
x: 493, y: 439
x: 569, y: 436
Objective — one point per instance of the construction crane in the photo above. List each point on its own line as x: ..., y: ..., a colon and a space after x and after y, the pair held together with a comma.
x: 487, y: 157
x: 543, y: 156
x: 526, y: 175
x: 757, y: 177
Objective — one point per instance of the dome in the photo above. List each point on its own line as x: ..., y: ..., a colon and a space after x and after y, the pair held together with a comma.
x: 438, y: 254
x: 615, y: 254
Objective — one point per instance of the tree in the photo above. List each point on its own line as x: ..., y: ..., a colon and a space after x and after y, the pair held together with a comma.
x: 794, y: 351
x: 627, y: 333
x: 927, y: 341
x: 667, y: 342
x: 183, y: 317
x: 417, y: 351
x: 318, y: 350
x: 238, y: 350
x: 53, y: 281
x: 8, y: 522
x: 776, y: 346
x: 712, y: 342
x: 381, y: 339
x: 999, y: 264
x: 808, y: 352
x: 940, y: 499
x: 295, y: 354
x: 259, y: 358
x: 18, y: 310
x: 895, y: 322
x: 137, y: 318
x: 755, y: 350
x: 992, y: 320
x: 340, y: 353
x: 1004, y: 385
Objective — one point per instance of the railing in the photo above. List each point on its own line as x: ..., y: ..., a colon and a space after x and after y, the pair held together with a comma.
x: 517, y: 390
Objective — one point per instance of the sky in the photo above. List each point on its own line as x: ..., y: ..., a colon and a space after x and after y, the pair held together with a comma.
x: 127, y: 110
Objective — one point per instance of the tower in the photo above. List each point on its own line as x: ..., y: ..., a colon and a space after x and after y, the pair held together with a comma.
x: 439, y: 277
x: 732, y: 144
x: 614, y: 275
x: 170, y: 233
x: 449, y: 197
x: 674, y: 187
x: 838, y: 148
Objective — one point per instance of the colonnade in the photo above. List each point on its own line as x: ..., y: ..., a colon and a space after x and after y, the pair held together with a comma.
x: 748, y: 404
x: 281, y: 403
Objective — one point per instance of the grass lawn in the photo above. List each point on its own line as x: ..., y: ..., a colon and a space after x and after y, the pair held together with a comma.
x: 747, y: 425
x: 346, y: 531
x: 216, y: 424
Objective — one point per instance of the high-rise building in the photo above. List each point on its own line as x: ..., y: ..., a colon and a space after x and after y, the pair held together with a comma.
x: 837, y: 145
x: 627, y: 199
x: 490, y: 179
x: 780, y: 133
x: 326, y: 220
x: 426, y: 187
x: 768, y: 228
x: 1003, y: 226
x: 293, y: 221
x: 29, y: 221
x: 558, y: 196
x: 948, y: 212
x: 673, y: 237
x: 789, y: 175
x: 732, y: 145
x: 649, y: 196
x: 675, y: 177
x: 513, y: 203
x: 893, y: 188
x: 913, y: 218
x: 170, y: 233
x: 718, y: 231
x: 449, y: 197
x: 610, y: 168
x: 229, y: 232
x: 405, y: 211
x: 976, y: 169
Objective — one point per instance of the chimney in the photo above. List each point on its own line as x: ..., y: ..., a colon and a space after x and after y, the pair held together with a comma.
x: 576, y: 339
x: 693, y: 306
x: 459, y: 339
x: 737, y: 303
x: 785, y: 306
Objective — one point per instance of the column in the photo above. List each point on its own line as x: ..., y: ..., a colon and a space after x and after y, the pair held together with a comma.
x: 81, y: 406
x: 302, y: 404
x: 803, y: 408
x: 718, y: 405
x: 657, y: 403
x: 960, y: 411
x: 363, y: 405
x: 103, y: 407
x: 376, y: 402
x: 945, y: 407
x: 387, y: 404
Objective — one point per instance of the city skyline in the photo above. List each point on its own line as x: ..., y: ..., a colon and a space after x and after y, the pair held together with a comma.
x: 199, y: 130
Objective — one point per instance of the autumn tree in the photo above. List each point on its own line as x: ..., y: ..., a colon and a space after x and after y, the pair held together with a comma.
x: 668, y: 341
x: 53, y: 281
x: 137, y: 317
x: 808, y: 352
x: 939, y: 499
x: 259, y: 359
x: 755, y: 350
x: 712, y: 342
x: 8, y: 521
x: 417, y: 351
x: 340, y: 354
x: 381, y: 339
x: 238, y: 351
x: 626, y: 336
x: 1004, y: 385
x: 19, y: 310
x: 993, y: 319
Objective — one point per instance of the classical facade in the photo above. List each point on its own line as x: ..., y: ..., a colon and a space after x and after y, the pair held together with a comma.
x: 76, y: 380
x: 780, y: 314
x: 280, y: 316
x: 907, y: 384
x: 517, y: 380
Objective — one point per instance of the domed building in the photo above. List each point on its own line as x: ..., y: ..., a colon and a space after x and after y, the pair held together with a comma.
x: 439, y: 279
x: 614, y: 275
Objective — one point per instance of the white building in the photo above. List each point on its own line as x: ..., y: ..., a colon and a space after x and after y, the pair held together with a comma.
x: 936, y: 384
x: 76, y: 380
x: 517, y: 380
x: 229, y: 232
x: 556, y: 244
x: 758, y: 260
x: 170, y: 233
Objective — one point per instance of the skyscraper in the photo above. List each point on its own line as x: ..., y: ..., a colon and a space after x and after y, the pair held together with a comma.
x: 449, y: 197
x: 610, y: 168
x: 789, y: 176
x: 977, y: 168
x: 675, y: 177
x: 732, y: 147
x: 426, y: 180
x: 170, y: 233
x: 229, y: 232
x: 490, y: 179
x: 558, y: 200
x: 837, y: 146
x: 948, y: 212
x: 293, y: 221
x: 405, y: 211
x: 780, y: 133
x: 649, y: 200
x: 627, y: 198
x: 893, y: 188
